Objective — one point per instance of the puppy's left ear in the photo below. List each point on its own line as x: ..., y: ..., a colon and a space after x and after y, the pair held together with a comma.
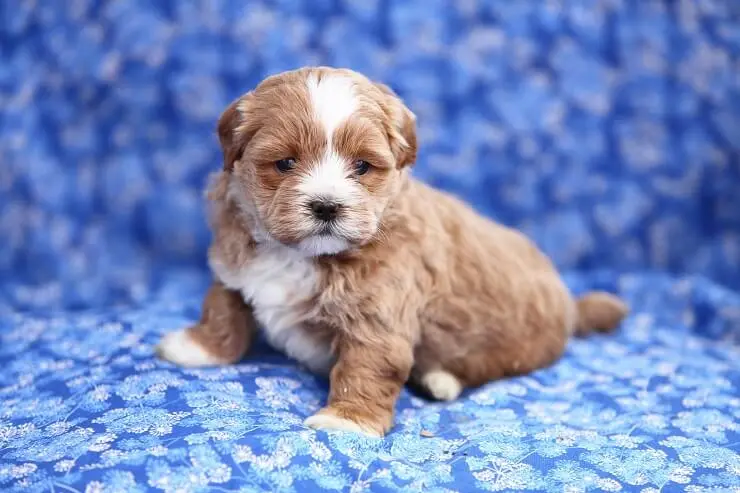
x: 401, y: 127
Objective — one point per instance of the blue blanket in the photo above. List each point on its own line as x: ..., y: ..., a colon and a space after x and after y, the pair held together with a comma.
x: 607, y: 131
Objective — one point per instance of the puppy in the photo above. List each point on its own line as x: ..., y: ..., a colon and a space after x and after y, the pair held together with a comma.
x: 324, y: 241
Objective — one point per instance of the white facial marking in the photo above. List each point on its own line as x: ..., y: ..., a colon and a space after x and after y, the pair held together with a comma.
x: 277, y: 283
x: 329, y: 178
x: 333, y: 100
x: 330, y: 422
x: 179, y: 348
x: 443, y: 385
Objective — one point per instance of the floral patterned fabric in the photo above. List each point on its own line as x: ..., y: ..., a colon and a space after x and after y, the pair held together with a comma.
x: 608, y: 131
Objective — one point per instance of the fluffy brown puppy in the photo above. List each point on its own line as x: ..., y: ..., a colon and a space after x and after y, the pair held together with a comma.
x: 350, y: 266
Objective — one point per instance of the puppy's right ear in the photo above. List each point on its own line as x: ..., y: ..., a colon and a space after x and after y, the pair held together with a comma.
x: 233, y: 132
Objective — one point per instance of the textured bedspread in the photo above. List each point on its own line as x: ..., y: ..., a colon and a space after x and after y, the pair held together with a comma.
x: 608, y: 131
x: 85, y: 406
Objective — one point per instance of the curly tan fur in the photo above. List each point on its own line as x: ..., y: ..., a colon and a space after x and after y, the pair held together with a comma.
x: 423, y: 289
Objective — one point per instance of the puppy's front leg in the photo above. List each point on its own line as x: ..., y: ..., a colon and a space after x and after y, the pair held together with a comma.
x: 364, y: 385
x: 222, y: 336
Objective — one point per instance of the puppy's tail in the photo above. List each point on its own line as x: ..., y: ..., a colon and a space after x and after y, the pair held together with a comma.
x: 599, y: 311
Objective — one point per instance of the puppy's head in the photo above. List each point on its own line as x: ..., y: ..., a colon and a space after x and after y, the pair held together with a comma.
x: 314, y: 157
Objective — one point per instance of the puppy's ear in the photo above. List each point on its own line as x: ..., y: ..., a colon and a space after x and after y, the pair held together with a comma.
x: 401, y: 126
x: 232, y: 131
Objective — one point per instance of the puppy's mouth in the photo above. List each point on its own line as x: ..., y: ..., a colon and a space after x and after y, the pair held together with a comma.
x: 314, y: 237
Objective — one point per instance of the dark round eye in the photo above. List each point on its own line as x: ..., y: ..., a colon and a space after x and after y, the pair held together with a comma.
x: 285, y: 165
x: 361, y: 167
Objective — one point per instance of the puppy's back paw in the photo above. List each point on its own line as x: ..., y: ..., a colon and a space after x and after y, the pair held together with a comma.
x: 442, y: 385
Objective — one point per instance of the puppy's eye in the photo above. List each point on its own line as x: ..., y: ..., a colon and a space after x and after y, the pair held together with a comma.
x: 285, y: 165
x: 361, y: 167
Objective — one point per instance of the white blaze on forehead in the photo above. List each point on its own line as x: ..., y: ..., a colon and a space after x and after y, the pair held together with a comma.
x: 333, y: 100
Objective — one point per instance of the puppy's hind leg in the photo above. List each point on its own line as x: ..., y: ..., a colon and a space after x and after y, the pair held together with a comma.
x: 430, y: 376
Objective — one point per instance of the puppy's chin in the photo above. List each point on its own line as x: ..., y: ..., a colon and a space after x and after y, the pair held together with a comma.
x: 322, y: 244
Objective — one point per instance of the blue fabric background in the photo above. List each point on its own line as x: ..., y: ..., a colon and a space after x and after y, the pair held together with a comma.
x: 608, y: 131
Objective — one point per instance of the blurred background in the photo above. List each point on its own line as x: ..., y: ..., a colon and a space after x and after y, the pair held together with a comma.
x: 609, y: 131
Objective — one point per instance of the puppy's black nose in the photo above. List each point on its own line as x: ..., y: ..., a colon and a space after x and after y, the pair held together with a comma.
x: 324, y: 210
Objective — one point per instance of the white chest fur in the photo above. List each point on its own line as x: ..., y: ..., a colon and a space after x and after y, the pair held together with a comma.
x: 277, y: 282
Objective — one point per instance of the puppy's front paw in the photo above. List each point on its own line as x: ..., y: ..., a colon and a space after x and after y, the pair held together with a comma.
x: 180, y: 348
x: 326, y: 419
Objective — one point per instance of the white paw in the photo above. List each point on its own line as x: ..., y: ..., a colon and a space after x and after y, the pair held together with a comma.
x: 179, y: 348
x: 442, y: 385
x: 330, y: 422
